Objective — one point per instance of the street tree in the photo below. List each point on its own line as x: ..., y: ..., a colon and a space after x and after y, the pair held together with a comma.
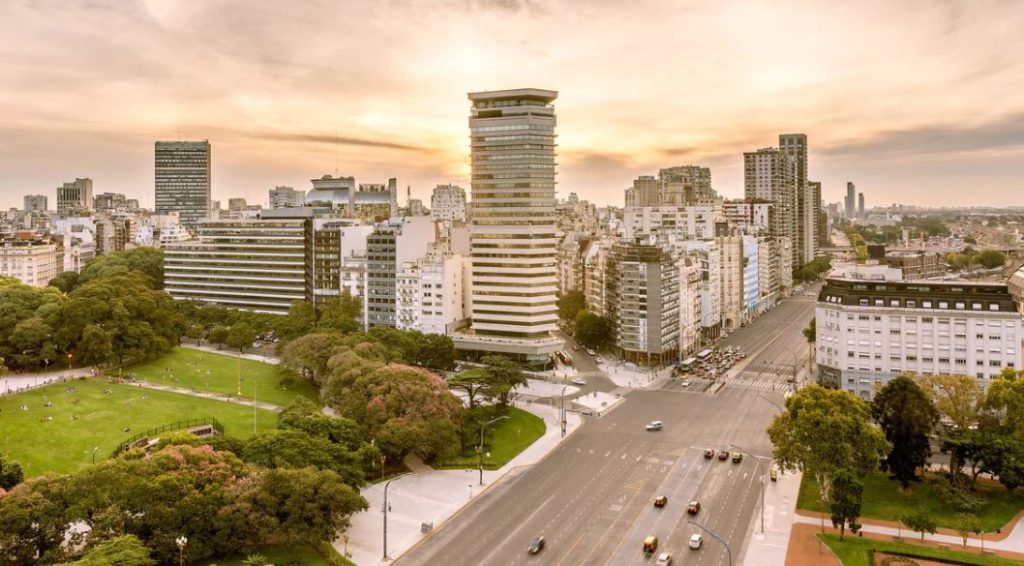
x: 991, y: 259
x: 240, y: 337
x: 503, y: 376
x: 907, y: 418
x: 218, y: 335
x: 967, y: 524
x: 811, y: 335
x: 594, y: 331
x: 293, y: 448
x: 1004, y: 398
x: 959, y: 400
x: 196, y: 332
x: 919, y: 521
x: 308, y: 355
x: 846, y: 495
x: 570, y: 304
x: 851, y: 443
x: 124, y: 550
x: 341, y: 313
x: 474, y: 381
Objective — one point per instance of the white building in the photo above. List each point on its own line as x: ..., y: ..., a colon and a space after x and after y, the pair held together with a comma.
x: 30, y: 258
x: 707, y: 256
x: 286, y: 197
x: 430, y: 294
x: 448, y: 202
x: 35, y: 203
x: 869, y: 331
x: 77, y: 235
x: 690, y: 322
x: 691, y: 222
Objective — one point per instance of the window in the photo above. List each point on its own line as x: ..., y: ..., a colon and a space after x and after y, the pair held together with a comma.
x: 911, y: 304
x: 863, y: 302
x: 960, y: 306
x: 926, y: 304
x: 994, y: 363
x: 993, y: 306
x: 879, y: 302
x: 943, y: 360
x: 976, y: 306
x: 980, y: 375
x: 979, y: 363
x: 927, y: 360
x: 961, y: 362
x: 926, y: 319
x: 911, y: 358
x: 894, y: 303
x: 894, y: 331
x: 979, y: 336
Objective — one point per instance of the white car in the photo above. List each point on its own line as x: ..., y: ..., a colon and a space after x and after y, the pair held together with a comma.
x: 579, y: 381
x: 696, y: 541
x: 665, y: 559
x: 655, y: 425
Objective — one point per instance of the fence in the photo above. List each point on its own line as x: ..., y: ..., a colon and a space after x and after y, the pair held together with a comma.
x: 177, y: 425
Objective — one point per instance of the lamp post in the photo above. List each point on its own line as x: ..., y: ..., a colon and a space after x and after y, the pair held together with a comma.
x: 561, y: 409
x: 757, y: 460
x: 480, y: 449
x: 70, y: 356
x: 94, y: 454
x: 384, y: 508
x: 181, y: 542
x: 728, y: 551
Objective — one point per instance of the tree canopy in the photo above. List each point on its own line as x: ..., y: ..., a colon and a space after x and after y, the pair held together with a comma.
x: 907, y: 417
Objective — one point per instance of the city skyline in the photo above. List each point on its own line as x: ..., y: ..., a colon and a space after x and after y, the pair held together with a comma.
x: 633, y: 98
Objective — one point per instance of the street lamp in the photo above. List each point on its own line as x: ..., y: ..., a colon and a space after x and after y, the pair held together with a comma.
x: 480, y: 451
x: 384, y: 508
x: 181, y: 542
x: 728, y: 551
x: 70, y: 355
x: 561, y: 408
x: 757, y: 460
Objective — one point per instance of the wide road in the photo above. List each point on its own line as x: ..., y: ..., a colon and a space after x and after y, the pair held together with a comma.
x: 592, y: 498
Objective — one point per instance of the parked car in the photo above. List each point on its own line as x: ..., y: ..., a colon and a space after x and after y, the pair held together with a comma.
x: 696, y: 541
x: 654, y: 425
x: 774, y: 474
x: 694, y: 508
x: 536, y: 546
x: 660, y: 501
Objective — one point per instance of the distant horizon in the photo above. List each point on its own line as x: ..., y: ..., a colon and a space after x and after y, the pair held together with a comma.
x: 925, y: 112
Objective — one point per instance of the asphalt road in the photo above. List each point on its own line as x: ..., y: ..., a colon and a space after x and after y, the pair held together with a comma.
x: 592, y: 497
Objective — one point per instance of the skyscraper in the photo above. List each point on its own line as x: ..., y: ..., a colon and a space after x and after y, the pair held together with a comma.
x: 75, y: 196
x: 851, y: 199
x: 183, y: 179
x: 35, y: 203
x: 768, y: 178
x: 860, y: 205
x: 794, y: 147
x: 513, y: 232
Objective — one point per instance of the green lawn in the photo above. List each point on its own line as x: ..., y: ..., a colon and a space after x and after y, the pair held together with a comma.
x: 219, y: 373
x: 65, y: 445
x: 856, y: 551
x: 507, y: 439
x: 279, y: 555
x: 884, y: 500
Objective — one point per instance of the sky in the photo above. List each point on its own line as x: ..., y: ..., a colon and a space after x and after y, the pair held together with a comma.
x: 917, y: 102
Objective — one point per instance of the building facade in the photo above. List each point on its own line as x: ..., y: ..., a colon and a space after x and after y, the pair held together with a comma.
x: 285, y: 197
x: 30, y: 258
x: 75, y: 197
x: 448, y: 202
x: 870, y: 331
x: 35, y: 203
x: 182, y: 179
x: 646, y: 303
x: 109, y: 201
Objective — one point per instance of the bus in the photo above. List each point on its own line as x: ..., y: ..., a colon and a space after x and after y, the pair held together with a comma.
x: 703, y: 354
x: 564, y: 357
x: 687, y: 365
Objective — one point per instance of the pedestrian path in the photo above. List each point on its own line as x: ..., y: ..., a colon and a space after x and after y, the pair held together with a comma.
x: 250, y: 356
x: 768, y: 547
x: 206, y: 395
x: 423, y: 501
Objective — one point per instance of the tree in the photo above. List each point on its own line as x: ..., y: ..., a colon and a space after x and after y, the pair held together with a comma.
x: 847, y: 493
x: 145, y: 261
x: 959, y: 401
x: 66, y: 281
x: 11, y: 473
x: 95, y: 346
x: 306, y: 504
x: 255, y: 560
x: 811, y: 335
x: 434, y: 351
x: 240, y: 336
x: 970, y: 240
x: 125, y: 550
x: 919, y: 521
x: 474, y: 381
x: 293, y: 448
x: 217, y: 335
x: 1004, y: 399
x: 570, y: 304
x: 196, y: 332
x: 907, y: 417
x: 967, y: 524
x: 342, y: 313
x: 852, y: 442
x: 991, y: 259
x: 308, y: 355
x: 502, y: 376
x: 301, y: 319
x: 594, y: 331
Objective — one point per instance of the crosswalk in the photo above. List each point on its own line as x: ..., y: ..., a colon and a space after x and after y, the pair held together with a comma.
x: 762, y: 381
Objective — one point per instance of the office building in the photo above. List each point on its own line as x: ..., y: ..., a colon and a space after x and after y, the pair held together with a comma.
x: 30, y: 258
x: 768, y: 178
x: 646, y: 302
x: 35, y: 203
x: 75, y: 197
x: 869, y: 331
x: 182, y: 179
x: 685, y: 185
x: 851, y: 200
x: 860, y: 205
x: 916, y: 265
x: 388, y: 248
x: 255, y: 265
x: 448, y: 202
x: 690, y: 222
x: 108, y: 201
x: 237, y: 203
x: 335, y: 243
x: 513, y: 231
x: 286, y: 197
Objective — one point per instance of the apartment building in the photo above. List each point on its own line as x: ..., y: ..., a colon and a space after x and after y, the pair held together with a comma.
x: 389, y: 247
x: 285, y: 197
x: 430, y: 293
x: 644, y: 192
x: 646, y: 302
x: 685, y: 184
x: 182, y: 179
x: 694, y: 221
x: 30, y: 258
x: 448, y: 202
x: 869, y: 331
x: 75, y: 197
x: 35, y: 203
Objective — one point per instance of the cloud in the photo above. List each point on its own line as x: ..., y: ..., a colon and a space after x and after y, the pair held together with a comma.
x: 937, y: 139
x: 332, y: 140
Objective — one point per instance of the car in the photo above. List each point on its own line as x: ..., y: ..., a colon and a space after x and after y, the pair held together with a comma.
x: 650, y: 544
x: 696, y: 541
x: 654, y: 425
x: 723, y: 455
x: 694, y: 508
x: 737, y: 457
x: 709, y: 453
x: 664, y: 559
x: 591, y: 352
x: 660, y: 501
x: 579, y: 381
x: 536, y: 546
x: 774, y: 474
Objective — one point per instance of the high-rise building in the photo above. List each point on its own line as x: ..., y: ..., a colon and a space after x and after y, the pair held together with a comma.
x: 388, y: 248
x: 182, y: 179
x: 794, y: 148
x: 851, y: 199
x: 35, y: 203
x: 644, y: 192
x: 685, y: 184
x: 286, y: 197
x: 768, y: 178
x: 860, y: 205
x: 513, y: 231
x: 75, y: 196
x: 448, y: 202
x: 108, y: 201
x: 646, y: 303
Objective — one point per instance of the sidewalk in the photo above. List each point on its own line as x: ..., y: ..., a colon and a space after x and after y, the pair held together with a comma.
x: 233, y: 354
x: 206, y: 395
x: 769, y: 548
x: 16, y: 382
x: 631, y: 375
x: 432, y: 496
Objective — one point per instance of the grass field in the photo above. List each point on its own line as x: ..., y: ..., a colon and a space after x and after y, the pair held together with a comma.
x: 508, y: 438
x: 65, y: 445
x: 206, y: 371
x: 856, y: 551
x: 884, y: 500
x: 282, y: 554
